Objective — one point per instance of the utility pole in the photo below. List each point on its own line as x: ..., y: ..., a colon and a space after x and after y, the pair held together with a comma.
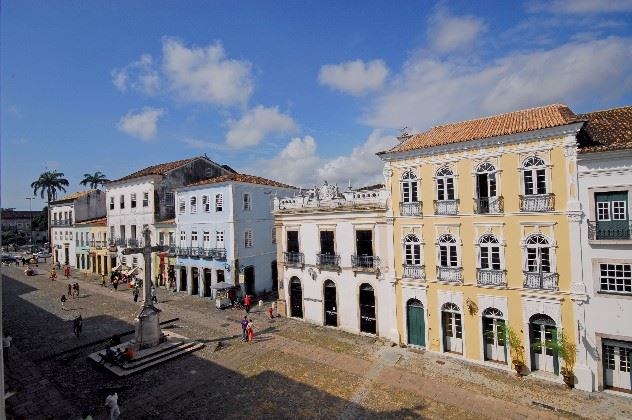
x: 31, y: 221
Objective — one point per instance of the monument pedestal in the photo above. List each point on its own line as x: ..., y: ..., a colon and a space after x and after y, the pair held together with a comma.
x: 148, y: 333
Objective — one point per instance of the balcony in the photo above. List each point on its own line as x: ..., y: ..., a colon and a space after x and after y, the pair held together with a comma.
x: 610, y: 231
x: 293, y: 259
x: 171, y: 251
x: 365, y: 263
x: 218, y: 253
x: 446, y: 207
x: 414, y: 271
x: 489, y: 277
x: 328, y: 261
x: 61, y: 222
x: 120, y: 242
x: 196, y: 252
x: 537, y: 202
x: 410, y: 209
x: 451, y: 274
x: 182, y: 251
x: 537, y: 280
x: 488, y: 205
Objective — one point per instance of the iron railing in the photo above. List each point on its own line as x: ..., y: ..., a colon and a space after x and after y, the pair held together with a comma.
x: 537, y: 202
x: 610, y: 231
x: 196, y: 252
x: 218, y: 253
x: 451, y: 274
x: 410, y: 209
x: 448, y: 207
x: 365, y: 262
x: 293, y: 259
x: 490, y: 277
x: 414, y: 271
x: 487, y: 205
x: 325, y: 261
x: 537, y: 280
x: 182, y: 251
x: 61, y: 222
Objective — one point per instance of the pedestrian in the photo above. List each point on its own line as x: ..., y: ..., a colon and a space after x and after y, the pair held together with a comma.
x: 77, y: 289
x: 136, y: 293
x: 53, y: 275
x: 102, y: 280
x: 69, y: 289
x: 270, y: 313
x: 86, y: 415
x: 115, y: 284
x: 251, y: 331
x: 111, y: 405
x: 67, y: 271
x: 77, y: 325
x: 244, y: 326
x: 17, y: 262
x: 63, y: 301
x: 247, y: 303
x: 6, y: 344
x: 154, y: 299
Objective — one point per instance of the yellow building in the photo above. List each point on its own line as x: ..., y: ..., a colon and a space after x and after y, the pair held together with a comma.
x: 484, y: 213
x: 92, y: 254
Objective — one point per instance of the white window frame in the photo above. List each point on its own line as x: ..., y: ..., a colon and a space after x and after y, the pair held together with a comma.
x: 612, y: 269
x: 193, y: 204
x: 526, y: 167
x: 445, y: 174
x: 549, y: 244
x: 122, y: 202
x: 247, y: 201
x: 248, y: 238
x: 444, y: 241
x: 490, y: 241
x: 206, y: 238
x: 484, y: 169
x: 206, y: 204
x: 182, y: 205
x: 111, y: 206
x: 412, y: 242
x: 145, y: 199
x: 194, y: 239
x: 132, y: 201
x: 603, y: 216
x: 219, y: 238
x: 183, y: 238
x: 219, y: 202
x: 619, y: 205
x: 409, y: 179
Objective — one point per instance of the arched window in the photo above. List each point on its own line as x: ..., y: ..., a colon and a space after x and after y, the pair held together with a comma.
x: 445, y: 184
x: 486, y: 187
x: 489, y: 252
x: 492, y: 313
x: 450, y: 307
x: 534, y: 176
x: 412, y: 249
x: 410, y: 187
x: 448, y: 256
x: 538, y: 254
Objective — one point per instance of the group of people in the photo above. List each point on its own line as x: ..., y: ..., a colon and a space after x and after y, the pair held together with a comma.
x: 247, y: 330
x: 73, y: 289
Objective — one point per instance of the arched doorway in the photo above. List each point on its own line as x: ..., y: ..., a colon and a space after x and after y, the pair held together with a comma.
x: 183, y: 279
x: 195, y: 281
x: 494, y: 336
x: 415, y: 323
x: 452, y: 328
x: 296, y: 298
x: 542, y: 332
x: 249, y: 280
x: 330, y: 305
x: 368, y: 323
x: 207, y: 283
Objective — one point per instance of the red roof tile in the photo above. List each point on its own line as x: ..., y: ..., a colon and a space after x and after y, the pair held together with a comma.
x: 610, y: 129
x: 249, y: 179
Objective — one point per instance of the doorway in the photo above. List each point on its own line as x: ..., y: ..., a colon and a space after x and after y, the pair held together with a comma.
x: 183, y: 279
x: 331, y: 311
x: 452, y: 328
x: 494, y: 336
x: 617, y: 358
x: 542, y: 331
x: 275, y: 275
x: 296, y: 298
x: 195, y: 280
x: 207, y: 283
x: 415, y: 323
x: 249, y: 280
x: 368, y: 323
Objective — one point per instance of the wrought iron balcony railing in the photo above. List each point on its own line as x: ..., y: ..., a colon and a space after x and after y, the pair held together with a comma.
x: 196, y: 252
x: 410, y: 209
x: 171, y: 251
x: 537, y: 280
x: 328, y: 261
x: 414, y: 271
x: 451, y: 274
x: 448, y: 207
x: 293, y: 259
x: 489, y: 277
x: 218, y: 253
x: 610, y: 231
x: 182, y: 251
x: 120, y: 242
x: 488, y: 205
x: 365, y: 262
x: 61, y: 222
x: 537, y: 202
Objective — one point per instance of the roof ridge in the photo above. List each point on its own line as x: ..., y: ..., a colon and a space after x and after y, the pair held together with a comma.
x: 604, y: 110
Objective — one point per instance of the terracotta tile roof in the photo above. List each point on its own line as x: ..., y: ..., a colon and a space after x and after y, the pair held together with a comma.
x: 249, y: 179
x: 497, y: 125
x: 159, y: 169
x: 101, y: 221
x: 610, y: 129
x: 73, y: 196
x: 166, y: 222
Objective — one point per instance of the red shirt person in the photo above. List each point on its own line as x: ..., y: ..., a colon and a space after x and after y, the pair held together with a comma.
x: 247, y: 303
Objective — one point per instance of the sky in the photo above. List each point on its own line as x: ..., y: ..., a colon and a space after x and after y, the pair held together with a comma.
x: 296, y: 91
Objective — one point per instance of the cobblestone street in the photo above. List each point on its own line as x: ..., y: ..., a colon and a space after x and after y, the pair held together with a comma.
x: 292, y: 370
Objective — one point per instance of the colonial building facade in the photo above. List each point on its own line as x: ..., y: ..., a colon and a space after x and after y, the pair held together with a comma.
x: 225, y: 232
x: 485, y: 214
x: 335, y: 259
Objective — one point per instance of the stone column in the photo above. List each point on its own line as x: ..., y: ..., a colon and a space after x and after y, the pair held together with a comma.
x: 213, y: 281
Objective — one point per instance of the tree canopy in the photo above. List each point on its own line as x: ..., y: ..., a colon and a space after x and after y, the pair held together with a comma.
x: 94, y: 180
x: 49, y: 183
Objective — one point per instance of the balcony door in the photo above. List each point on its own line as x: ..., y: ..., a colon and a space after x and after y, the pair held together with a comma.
x: 612, y: 215
x: 368, y: 322
x: 485, y: 186
x: 327, y: 242
x: 542, y: 332
x: 452, y: 328
x: 292, y: 241
x: 494, y: 335
x: 330, y: 303
x: 364, y: 242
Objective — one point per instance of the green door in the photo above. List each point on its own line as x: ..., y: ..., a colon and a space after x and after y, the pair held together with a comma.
x: 612, y: 215
x: 416, y: 325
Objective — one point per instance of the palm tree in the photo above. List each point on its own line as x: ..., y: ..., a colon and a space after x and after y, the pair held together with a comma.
x: 95, y: 179
x: 49, y: 183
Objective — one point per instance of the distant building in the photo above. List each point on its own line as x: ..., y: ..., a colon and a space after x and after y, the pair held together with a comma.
x: 91, y: 247
x: 19, y: 221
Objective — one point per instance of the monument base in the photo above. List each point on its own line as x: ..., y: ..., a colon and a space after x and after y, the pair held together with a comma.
x: 148, y: 333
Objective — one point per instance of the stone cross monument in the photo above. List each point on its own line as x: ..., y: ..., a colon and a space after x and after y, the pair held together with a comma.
x: 148, y: 332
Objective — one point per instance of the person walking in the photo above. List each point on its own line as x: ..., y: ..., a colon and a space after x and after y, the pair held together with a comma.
x: 6, y: 345
x: 77, y: 325
x: 63, y: 301
x: 67, y: 271
x: 247, y: 302
x: 102, y: 280
x: 111, y: 405
x: 251, y: 331
x: 69, y: 289
x: 53, y: 275
x: 244, y: 326
x: 115, y: 284
x: 136, y: 293
x: 77, y: 289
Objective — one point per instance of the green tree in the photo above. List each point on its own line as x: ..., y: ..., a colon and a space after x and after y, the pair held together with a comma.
x: 49, y: 183
x: 94, y: 180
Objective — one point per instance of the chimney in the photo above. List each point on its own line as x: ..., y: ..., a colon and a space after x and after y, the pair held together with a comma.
x: 403, y: 135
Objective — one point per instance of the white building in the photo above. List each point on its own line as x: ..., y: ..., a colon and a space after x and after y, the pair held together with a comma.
x: 146, y: 197
x: 335, y: 250
x: 64, y: 213
x: 225, y: 232
x: 605, y: 188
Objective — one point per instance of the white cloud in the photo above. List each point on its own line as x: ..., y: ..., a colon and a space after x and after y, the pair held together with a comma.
x: 295, y: 165
x: 140, y: 75
x: 354, y: 77
x: 206, y: 74
x: 141, y: 124
x: 256, y: 124
x: 581, y: 6
x: 451, y: 33
x: 431, y: 91
x: 198, y: 144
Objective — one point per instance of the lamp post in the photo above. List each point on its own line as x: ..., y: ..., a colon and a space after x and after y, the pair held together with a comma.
x: 31, y: 221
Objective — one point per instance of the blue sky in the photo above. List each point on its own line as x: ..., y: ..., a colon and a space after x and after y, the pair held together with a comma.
x: 299, y: 91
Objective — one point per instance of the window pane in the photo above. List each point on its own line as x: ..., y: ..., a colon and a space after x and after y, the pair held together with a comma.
x: 484, y: 257
x: 450, y: 189
x: 541, y: 179
x: 528, y: 183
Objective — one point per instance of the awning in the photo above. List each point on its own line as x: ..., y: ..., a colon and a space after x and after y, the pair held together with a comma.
x: 121, y: 267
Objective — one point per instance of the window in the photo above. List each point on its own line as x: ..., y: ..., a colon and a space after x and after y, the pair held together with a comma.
x: 292, y: 241
x: 206, y: 237
x: 248, y: 238
x: 273, y: 235
x: 206, y: 204
x: 486, y: 180
x: 445, y: 184
x: 448, y: 256
x: 364, y: 242
x: 193, y: 204
x: 538, y: 254
x: 169, y: 199
x: 70, y: 217
x: 219, y: 238
x: 327, y: 242
x: 145, y: 199
x: 489, y: 252
x: 603, y: 211
x: 122, y: 230
x: 247, y: 202
x: 133, y: 200
x: 616, y: 278
x: 181, y: 206
x: 111, y: 205
x: 412, y: 250
x: 618, y: 210
x: 122, y: 202
x: 534, y: 176
x: 172, y: 238
x: 409, y: 187
x: 161, y: 238
x: 219, y: 202
x: 65, y: 235
x: 81, y: 238
x: 112, y: 232
x: 123, y: 260
x: 194, y: 238
x: 134, y: 262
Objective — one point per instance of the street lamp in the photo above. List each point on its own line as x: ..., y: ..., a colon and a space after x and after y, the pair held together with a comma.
x: 31, y: 220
